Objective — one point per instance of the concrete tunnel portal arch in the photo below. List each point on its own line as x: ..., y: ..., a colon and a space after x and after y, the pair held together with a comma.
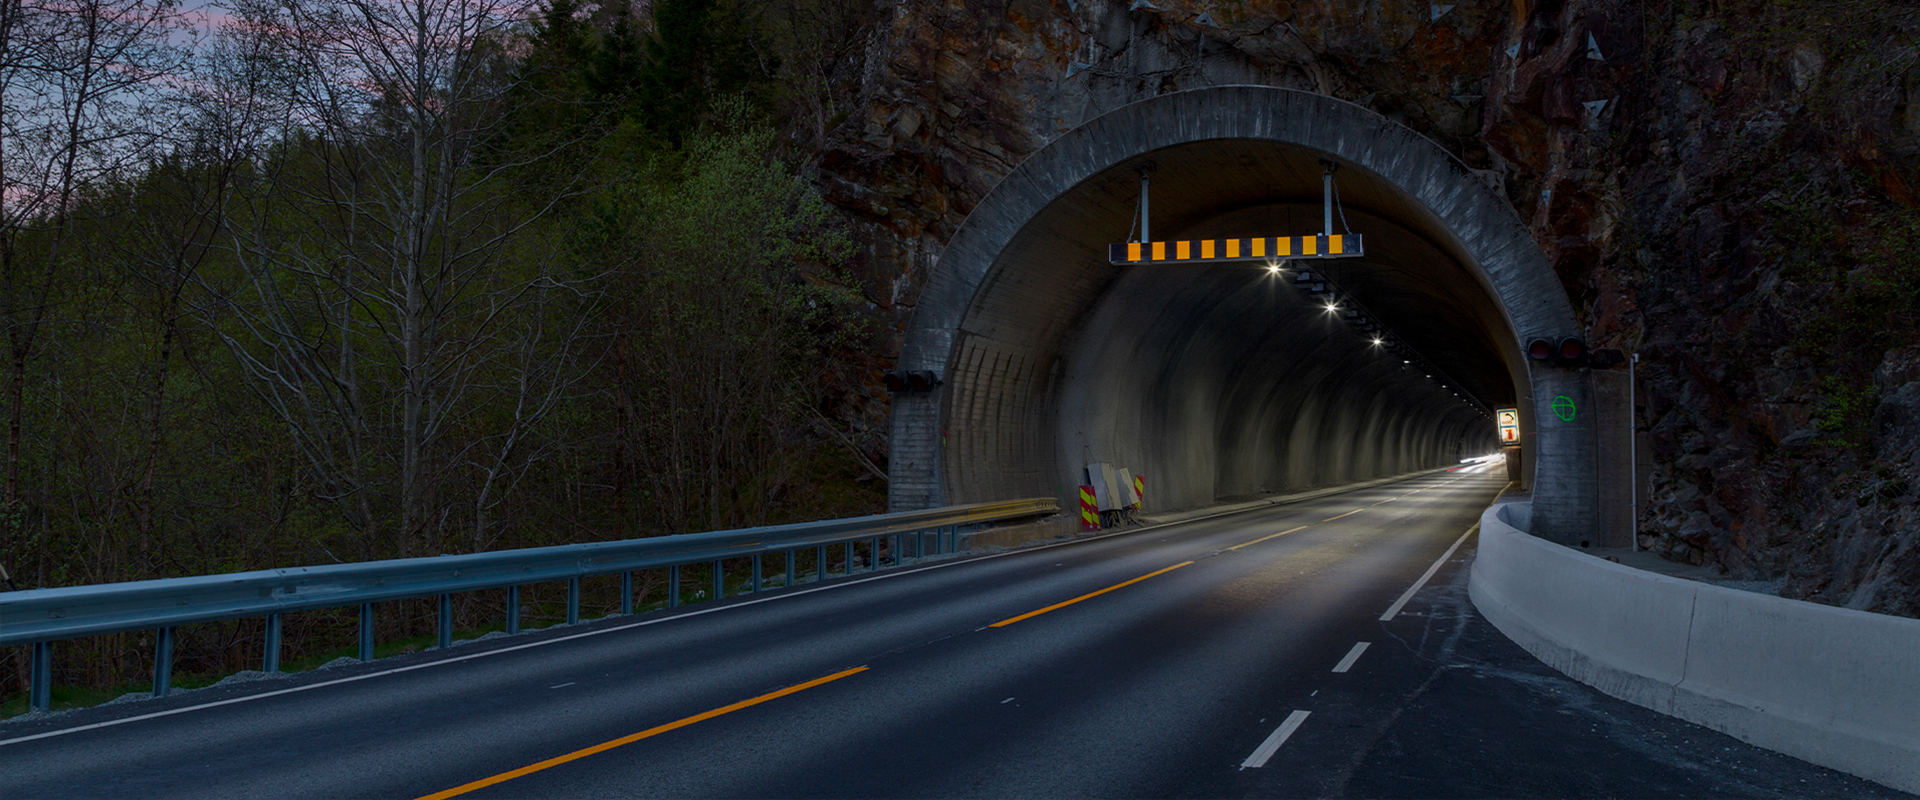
x: 1219, y: 380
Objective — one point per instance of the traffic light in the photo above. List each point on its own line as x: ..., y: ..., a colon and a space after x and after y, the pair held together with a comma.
x: 1568, y: 352
x: 1571, y: 353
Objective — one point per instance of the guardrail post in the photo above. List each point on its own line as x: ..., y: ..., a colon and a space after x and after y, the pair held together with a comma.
x: 573, y: 601
x: 850, y: 555
x: 40, y: 690
x: 820, y: 564
x: 162, y: 662
x: 626, y: 592
x: 755, y: 588
x: 366, y: 631
x: 791, y: 566
x: 270, y: 661
x: 673, y: 586
x: 719, y: 581
x: 446, y: 621
x: 873, y: 554
x: 513, y: 609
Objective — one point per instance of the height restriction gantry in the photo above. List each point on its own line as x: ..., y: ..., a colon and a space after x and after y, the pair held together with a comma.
x: 1327, y: 244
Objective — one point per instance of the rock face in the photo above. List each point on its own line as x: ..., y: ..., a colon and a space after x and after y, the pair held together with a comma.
x: 1725, y: 188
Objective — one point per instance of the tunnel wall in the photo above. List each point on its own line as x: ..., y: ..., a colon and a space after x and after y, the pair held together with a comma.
x: 1224, y: 381
x: 1007, y: 304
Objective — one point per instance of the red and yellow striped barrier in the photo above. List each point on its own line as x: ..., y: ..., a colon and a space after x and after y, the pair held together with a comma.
x: 1089, y: 510
x: 1201, y: 251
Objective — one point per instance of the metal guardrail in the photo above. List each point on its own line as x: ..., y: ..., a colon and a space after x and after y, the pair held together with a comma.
x: 41, y: 616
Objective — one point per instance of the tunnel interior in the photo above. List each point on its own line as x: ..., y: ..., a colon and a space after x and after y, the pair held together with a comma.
x: 1222, y: 380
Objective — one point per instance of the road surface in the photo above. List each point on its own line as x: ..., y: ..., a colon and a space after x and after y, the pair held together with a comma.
x: 1281, y: 652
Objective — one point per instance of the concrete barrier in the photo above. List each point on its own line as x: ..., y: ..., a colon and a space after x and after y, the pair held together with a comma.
x: 1833, y: 686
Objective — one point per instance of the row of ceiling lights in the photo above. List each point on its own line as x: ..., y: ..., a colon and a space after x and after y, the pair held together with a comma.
x: 1318, y: 287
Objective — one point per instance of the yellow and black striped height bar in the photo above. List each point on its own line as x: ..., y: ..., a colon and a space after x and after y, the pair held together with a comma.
x: 1202, y: 251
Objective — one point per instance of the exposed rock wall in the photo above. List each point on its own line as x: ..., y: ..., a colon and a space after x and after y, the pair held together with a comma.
x: 1726, y: 188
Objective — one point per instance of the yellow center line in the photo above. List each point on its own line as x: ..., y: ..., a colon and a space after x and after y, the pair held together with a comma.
x: 1348, y: 514
x: 1264, y: 538
x: 1388, y: 500
x: 1009, y: 621
x: 631, y: 738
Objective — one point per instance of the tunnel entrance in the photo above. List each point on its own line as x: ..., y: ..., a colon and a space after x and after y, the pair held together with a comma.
x: 1219, y: 380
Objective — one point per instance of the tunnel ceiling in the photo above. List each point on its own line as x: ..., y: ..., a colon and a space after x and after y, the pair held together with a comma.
x: 1412, y: 278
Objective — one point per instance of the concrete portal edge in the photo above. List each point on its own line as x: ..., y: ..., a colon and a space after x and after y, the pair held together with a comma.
x: 1493, y: 241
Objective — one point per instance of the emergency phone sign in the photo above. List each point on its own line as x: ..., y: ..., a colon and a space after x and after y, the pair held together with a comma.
x: 1508, y: 420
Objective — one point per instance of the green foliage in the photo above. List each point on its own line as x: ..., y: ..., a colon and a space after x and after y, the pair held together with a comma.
x: 1847, y: 412
x: 723, y: 311
x: 639, y: 299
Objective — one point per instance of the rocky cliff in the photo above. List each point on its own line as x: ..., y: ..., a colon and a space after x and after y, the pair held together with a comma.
x: 1726, y: 188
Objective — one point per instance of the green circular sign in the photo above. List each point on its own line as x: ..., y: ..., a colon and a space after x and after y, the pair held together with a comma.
x: 1563, y: 408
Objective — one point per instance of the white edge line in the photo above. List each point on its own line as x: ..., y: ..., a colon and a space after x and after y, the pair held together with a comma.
x: 895, y: 573
x: 1267, y: 507
x: 1352, y: 656
x: 1274, y: 740
x: 1402, y: 602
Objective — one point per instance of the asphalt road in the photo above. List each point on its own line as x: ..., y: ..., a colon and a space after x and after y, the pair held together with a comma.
x: 1214, y: 658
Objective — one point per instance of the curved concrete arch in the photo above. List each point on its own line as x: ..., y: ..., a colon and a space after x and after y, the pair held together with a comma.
x: 1020, y: 310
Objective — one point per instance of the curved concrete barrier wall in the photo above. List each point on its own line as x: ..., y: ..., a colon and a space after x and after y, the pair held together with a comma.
x: 1833, y: 686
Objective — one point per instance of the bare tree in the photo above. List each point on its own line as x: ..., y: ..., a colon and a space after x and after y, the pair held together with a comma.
x: 79, y: 84
x: 381, y: 304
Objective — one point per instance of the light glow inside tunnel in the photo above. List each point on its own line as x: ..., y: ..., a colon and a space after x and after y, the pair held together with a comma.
x: 1218, y: 380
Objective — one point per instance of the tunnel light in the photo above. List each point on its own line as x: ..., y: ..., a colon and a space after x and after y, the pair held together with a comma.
x: 1275, y: 267
x: 1377, y: 342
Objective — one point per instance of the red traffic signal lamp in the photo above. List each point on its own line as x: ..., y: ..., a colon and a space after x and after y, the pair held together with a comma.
x: 1571, y: 352
x: 1568, y: 352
